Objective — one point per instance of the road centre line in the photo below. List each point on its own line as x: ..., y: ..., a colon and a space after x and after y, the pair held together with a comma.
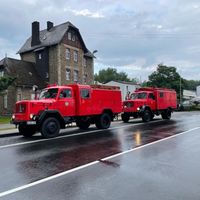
x: 70, y: 135
x: 11, y: 191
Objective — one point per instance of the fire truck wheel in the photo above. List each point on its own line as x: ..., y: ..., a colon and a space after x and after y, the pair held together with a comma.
x: 103, y: 121
x: 125, y: 117
x: 166, y: 114
x: 83, y: 124
x: 50, y: 128
x: 146, y: 117
x: 26, y: 131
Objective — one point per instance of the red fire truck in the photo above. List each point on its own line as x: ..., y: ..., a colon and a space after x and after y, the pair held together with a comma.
x: 148, y: 102
x: 61, y: 105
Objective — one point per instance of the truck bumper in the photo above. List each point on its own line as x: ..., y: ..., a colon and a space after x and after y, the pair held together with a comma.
x: 31, y: 122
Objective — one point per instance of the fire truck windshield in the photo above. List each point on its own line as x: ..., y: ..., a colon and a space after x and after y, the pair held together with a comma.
x: 141, y: 95
x: 48, y: 93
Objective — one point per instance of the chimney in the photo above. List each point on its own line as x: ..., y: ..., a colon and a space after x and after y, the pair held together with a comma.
x: 49, y: 25
x: 35, y: 33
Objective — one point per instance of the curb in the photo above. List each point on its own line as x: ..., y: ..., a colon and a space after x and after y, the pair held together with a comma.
x: 3, y: 135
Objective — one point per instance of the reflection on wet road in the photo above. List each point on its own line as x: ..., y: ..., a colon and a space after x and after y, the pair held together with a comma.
x: 27, y: 163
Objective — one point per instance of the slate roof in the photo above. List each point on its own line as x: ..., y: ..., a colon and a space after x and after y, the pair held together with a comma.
x: 53, y: 37
x: 25, y: 72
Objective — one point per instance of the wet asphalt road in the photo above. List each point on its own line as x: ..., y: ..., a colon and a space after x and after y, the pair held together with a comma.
x: 145, y: 165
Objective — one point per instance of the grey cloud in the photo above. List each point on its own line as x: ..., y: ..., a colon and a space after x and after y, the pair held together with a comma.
x: 150, y: 30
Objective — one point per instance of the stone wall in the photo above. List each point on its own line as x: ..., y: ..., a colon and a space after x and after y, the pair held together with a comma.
x: 12, y: 97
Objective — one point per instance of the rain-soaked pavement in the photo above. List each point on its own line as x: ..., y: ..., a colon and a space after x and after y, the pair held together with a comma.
x: 144, y: 164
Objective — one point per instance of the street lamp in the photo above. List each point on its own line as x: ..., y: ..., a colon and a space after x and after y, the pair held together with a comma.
x: 95, y: 51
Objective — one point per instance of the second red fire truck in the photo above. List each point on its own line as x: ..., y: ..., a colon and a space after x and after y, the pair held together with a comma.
x: 148, y: 102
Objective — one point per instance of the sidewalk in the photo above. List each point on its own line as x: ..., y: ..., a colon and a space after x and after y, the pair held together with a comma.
x: 7, y: 129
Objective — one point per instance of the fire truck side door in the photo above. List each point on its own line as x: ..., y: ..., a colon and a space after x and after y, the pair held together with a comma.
x: 151, y: 100
x: 66, y: 102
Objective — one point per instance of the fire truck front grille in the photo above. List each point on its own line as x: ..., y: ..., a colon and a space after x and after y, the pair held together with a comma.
x: 21, y: 108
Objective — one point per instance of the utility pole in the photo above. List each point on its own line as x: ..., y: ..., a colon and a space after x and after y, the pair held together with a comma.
x: 180, y: 92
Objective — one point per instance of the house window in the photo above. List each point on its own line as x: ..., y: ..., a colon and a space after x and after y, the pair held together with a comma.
x: 75, y: 56
x: 76, y: 75
x: 84, y: 78
x: 68, y: 74
x: 33, y: 97
x: 1, y: 73
x: 84, y: 62
x: 19, y: 97
x: 69, y: 35
x: 73, y: 37
x: 5, y: 101
x: 68, y: 54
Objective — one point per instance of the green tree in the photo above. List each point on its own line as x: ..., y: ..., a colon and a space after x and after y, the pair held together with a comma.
x: 5, y: 82
x: 166, y: 77
x: 110, y: 74
x: 191, y: 84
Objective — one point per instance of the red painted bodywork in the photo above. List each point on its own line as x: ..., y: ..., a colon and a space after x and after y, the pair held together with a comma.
x: 163, y: 99
x: 100, y: 98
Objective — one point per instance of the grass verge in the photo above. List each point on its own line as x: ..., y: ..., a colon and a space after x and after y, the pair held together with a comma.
x: 4, y: 120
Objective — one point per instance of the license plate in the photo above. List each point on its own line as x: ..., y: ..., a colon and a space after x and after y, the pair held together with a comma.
x: 31, y: 122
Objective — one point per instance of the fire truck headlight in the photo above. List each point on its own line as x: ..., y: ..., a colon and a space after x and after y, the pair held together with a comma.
x: 138, y: 109
x: 31, y: 116
x: 13, y: 117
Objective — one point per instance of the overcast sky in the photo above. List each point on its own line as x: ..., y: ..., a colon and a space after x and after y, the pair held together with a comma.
x: 130, y: 35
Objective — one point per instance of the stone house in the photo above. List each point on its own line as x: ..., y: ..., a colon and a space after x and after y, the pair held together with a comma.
x: 55, y: 55
x: 60, y: 54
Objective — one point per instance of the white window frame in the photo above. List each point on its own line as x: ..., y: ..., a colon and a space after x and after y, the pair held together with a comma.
x: 73, y: 37
x: 85, y: 78
x: 68, y: 74
x: 84, y: 62
x: 39, y: 56
x: 1, y: 73
x: 5, y: 101
x: 76, y: 75
x: 69, y: 35
x: 19, y: 96
x: 32, y: 96
x: 75, y: 56
x: 67, y: 53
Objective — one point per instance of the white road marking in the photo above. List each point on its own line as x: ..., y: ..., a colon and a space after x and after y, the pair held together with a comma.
x: 70, y: 135
x: 11, y: 191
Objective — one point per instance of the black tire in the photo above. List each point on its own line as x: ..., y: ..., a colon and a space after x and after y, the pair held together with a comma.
x: 125, y: 117
x: 83, y: 123
x: 50, y: 128
x: 152, y: 116
x: 103, y: 121
x: 27, y: 131
x: 146, y: 117
x: 166, y: 114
